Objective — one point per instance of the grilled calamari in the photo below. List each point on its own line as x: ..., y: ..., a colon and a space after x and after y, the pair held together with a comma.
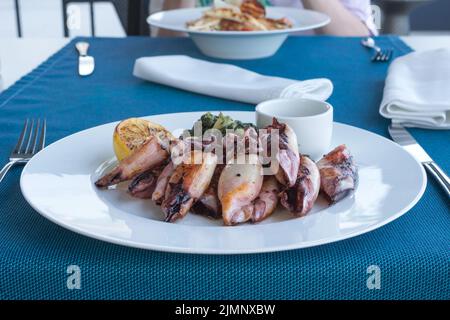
x: 209, y: 204
x: 188, y: 174
x: 187, y: 183
x: 338, y: 174
x: 299, y: 199
x: 239, y: 184
x: 267, y: 200
x: 287, y: 155
x: 161, y: 183
x: 152, y: 153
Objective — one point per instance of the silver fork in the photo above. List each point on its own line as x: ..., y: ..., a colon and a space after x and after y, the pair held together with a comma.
x: 380, y: 54
x: 31, y: 141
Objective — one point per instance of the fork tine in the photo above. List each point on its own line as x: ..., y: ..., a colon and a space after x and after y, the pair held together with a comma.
x: 30, y: 135
x: 21, y: 137
x: 389, y: 55
x: 36, y: 133
x: 376, y: 56
x: 42, y: 138
x: 380, y: 56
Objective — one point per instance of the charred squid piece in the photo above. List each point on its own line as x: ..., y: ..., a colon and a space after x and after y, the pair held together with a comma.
x: 299, y: 199
x: 338, y: 174
x: 143, y: 185
x: 209, y: 204
x: 187, y: 183
x: 239, y: 184
x: 179, y: 147
x: 161, y: 183
x: 287, y: 156
x: 267, y: 200
x: 151, y: 154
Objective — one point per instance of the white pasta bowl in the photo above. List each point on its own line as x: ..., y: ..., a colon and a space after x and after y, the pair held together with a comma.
x: 239, y: 44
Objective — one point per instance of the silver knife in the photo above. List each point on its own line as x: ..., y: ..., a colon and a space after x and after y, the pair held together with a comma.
x: 404, y: 139
x: 86, y: 63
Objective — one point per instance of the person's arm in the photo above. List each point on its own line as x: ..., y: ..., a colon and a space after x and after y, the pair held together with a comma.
x: 343, y: 22
x: 170, y: 5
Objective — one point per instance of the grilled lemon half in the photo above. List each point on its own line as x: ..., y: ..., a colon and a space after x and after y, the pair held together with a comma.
x: 131, y: 133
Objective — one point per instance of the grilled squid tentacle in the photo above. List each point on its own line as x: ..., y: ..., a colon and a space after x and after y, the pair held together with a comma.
x: 151, y: 154
x: 267, y: 200
x: 143, y: 185
x: 287, y: 154
x: 209, y: 204
x: 161, y: 183
x: 299, y: 199
x: 187, y: 183
x: 288, y: 161
x: 338, y: 174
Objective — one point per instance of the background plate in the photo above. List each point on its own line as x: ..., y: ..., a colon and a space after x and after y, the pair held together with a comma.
x: 301, y: 19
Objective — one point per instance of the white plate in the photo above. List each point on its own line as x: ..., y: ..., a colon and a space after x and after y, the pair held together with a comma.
x: 239, y: 44
x: 58, y: 183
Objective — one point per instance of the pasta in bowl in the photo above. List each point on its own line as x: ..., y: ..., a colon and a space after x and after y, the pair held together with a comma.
x: 250, y: 31
x: 250, y: 15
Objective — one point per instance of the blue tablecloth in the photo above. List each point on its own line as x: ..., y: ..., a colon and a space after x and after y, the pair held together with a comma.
x: 413, y: 252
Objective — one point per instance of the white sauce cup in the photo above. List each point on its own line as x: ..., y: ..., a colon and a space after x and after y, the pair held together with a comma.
x: 311, y: 120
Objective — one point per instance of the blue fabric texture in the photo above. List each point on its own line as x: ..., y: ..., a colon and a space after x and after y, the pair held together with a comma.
x: 413, y: 252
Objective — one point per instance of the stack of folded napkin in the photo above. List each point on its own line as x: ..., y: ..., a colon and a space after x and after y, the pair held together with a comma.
x: 417, y: 90
x: 225, y: 80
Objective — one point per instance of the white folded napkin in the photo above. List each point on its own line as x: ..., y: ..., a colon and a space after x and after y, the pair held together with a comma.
x: 417, y: 90
x: 225, y: 80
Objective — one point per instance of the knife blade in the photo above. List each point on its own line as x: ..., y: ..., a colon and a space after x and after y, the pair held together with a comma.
x: 86, y: 64
x: 402, y: 137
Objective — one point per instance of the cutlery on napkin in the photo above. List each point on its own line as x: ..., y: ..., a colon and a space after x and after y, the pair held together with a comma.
x: 417, y: 90
x: 86, y: 63
x: 225, y: 80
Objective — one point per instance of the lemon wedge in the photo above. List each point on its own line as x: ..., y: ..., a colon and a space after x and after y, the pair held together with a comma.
x: 131, y: 133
